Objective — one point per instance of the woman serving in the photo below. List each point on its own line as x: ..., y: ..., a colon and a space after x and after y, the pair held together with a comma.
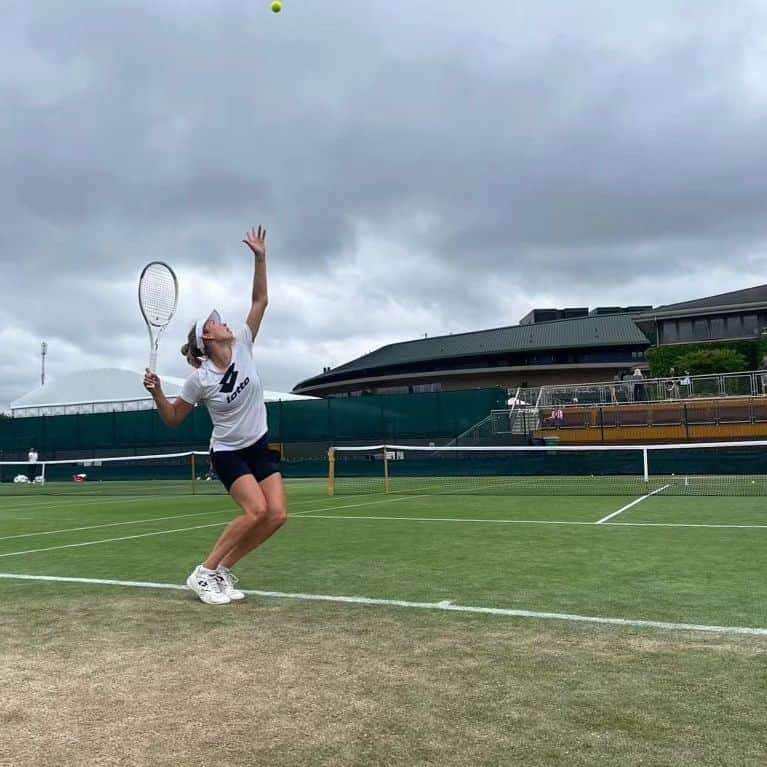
x: 226, y: 381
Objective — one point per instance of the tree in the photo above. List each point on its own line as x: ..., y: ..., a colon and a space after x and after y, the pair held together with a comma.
x: 703, y: 361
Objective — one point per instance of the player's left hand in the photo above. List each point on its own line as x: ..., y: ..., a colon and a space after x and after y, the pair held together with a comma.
x: 152, y: 381
x: 255, y: 239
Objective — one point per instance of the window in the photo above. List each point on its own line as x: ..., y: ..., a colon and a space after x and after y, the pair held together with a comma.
x: 685, y: 330
x: 669, y: 333
x: 750, y: 324
x: 700, y: 330
x: 392, y: 390
x: 718, y: 327
x: 734, y: 326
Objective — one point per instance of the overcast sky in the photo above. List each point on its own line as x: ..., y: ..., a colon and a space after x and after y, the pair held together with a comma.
x: 422, y: 167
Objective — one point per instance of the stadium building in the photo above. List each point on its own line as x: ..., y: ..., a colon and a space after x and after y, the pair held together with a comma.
x: 547, y: 347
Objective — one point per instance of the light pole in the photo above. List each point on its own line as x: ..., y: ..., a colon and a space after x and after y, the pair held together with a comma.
x: 43, y: 352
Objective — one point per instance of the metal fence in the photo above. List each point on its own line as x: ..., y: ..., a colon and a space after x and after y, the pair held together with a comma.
x: 630, y: 389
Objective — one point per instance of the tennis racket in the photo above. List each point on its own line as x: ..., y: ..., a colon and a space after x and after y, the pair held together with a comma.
x: 157, y: 299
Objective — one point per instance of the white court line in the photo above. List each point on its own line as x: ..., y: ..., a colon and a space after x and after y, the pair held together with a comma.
x: 629, y: 505
x: 111, y: 524
x: 78, y: 503
x: 446, y: 605
x: 175, y: 530
x: 354, y: 505
x: 339, y: 517
x: 449, y: 519
x: 530, y: 521
x: 231, y: 508
x: 111, y: 540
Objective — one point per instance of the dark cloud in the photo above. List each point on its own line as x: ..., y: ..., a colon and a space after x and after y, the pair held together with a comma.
x: 433, y: 168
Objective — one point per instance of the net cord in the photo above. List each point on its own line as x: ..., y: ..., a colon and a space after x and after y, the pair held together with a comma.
x: 547, y: 448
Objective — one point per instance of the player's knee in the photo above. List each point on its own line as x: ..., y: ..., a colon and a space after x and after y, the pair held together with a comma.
x: 278, y: 515
x: 254, y: 510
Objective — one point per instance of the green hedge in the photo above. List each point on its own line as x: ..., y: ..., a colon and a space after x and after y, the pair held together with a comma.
x: 663, y: 358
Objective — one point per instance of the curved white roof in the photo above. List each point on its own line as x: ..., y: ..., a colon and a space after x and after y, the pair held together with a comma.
x: 103, y: 390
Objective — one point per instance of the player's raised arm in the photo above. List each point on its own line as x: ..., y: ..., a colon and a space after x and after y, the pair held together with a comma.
x: 255, y: 239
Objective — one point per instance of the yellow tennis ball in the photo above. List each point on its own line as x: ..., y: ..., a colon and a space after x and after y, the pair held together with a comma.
x: 276, y: 6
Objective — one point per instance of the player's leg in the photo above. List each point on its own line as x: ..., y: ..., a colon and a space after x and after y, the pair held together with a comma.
x: 274, y: 517
x: 269, y: 522
x: 247, y: 494
x: 235, y: 474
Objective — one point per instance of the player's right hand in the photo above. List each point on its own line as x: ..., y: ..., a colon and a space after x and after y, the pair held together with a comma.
x: 151, y: 381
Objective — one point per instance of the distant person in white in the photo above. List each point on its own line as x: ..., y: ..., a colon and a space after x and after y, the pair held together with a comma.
x: 226, y: 381
x: 32, y: 458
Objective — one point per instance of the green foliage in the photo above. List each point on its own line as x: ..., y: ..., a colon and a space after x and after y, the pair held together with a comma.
x: 663, y: 358
x: 704, y: 361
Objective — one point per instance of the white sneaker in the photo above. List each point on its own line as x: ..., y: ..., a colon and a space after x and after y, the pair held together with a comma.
x: 207, y: 587
x: 226, y: 580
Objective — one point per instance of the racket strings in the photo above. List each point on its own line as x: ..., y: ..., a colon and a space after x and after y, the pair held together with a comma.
x: 157, y: 294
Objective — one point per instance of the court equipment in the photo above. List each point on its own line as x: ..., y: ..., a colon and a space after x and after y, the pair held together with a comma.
x: 157, y: 298
x: 718, y: 468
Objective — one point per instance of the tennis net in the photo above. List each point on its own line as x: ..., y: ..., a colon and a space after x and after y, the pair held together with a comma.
x: 724, y: 468
x: 186, y: 473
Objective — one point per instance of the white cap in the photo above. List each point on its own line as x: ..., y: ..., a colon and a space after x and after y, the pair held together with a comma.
x: 198, y: 328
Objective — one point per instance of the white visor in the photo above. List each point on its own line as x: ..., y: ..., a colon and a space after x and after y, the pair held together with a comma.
x: 198, y: 328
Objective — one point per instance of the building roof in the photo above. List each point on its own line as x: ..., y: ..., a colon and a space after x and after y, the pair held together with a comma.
x: 589, y: 332
x: 103, y: 390
x: 102, y: 385
x: 735, y: 299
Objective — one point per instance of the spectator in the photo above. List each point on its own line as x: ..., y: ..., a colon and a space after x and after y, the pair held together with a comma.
x: 640, y: 393
x: 628, y: 386
x: 558, y: 417
x: 32, y: 458
x: 672, y: 385
x: 615, y: 388
x: 686, y: 381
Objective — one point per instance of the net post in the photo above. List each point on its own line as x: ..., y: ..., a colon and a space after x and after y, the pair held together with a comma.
x: 387, y: 485
x: 194, y: 475
x: 331, y: 471
x: 646, y: 465
x: 42, y: 473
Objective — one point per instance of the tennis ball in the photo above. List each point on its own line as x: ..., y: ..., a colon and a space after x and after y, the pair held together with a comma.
x: 276, y: 6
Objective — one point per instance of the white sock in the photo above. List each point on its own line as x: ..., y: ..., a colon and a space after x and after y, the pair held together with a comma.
x: 204, y: 570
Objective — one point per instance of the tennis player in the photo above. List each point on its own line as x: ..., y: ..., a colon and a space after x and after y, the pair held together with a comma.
x: 226, y: 381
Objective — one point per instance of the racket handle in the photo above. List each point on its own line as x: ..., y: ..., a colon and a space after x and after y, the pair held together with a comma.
x: 152, y: 362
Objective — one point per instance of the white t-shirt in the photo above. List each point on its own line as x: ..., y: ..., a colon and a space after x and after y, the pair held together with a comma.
x: 32, y: 456
x: 234, y: 397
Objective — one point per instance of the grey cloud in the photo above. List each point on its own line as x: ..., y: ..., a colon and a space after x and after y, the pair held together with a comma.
x: 429, y: 168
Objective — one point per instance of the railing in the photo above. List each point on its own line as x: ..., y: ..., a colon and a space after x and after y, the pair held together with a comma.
x: 691, y: 412
x: 585, y: 405
x: 630, y: 389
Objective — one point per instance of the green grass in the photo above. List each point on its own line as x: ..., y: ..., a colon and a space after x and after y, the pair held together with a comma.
x: 307, y: 682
